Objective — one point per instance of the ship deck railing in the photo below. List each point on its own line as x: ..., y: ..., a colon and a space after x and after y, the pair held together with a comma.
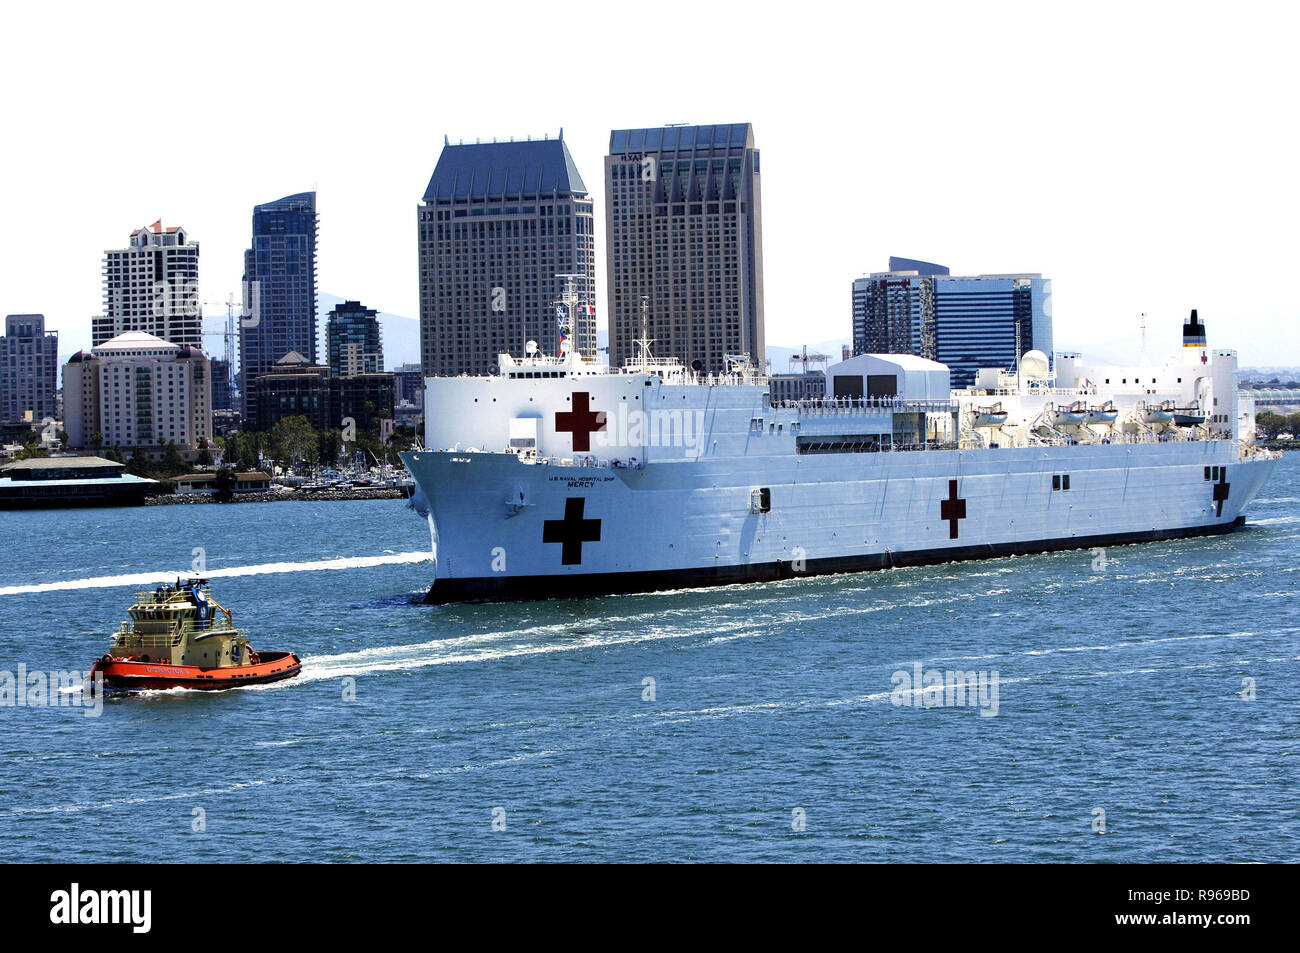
x: 1030, y: 390
x: 870, y: 405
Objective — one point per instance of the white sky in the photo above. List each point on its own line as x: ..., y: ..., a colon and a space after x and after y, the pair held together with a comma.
x: 1141, y: 155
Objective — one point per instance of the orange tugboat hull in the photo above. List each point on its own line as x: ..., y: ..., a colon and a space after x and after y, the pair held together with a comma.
x: 139, y: 675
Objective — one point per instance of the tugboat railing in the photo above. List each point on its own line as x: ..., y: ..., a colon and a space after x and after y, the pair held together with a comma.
x: 128, y: 637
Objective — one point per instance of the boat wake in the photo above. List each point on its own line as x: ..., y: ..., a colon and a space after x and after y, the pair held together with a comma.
x: 153, y: 578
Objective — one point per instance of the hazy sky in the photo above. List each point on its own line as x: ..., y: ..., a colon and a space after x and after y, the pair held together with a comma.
x: 1141, y: 155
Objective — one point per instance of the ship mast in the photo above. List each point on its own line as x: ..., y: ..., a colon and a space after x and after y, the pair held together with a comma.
x: 644, y: 341
x: 568, y: 300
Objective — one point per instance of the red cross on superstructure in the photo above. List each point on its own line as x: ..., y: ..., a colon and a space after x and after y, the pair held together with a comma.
x: 581, y: 421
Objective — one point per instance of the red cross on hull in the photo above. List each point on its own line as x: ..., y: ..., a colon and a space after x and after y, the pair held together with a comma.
x: 572, y: 531
x: 952, y: 509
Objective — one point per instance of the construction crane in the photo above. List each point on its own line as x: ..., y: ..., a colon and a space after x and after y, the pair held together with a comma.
x: 228, y: 334
x: 804, y: 359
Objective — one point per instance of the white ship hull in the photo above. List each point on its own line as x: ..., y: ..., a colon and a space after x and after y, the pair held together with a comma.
x: 673, y: 525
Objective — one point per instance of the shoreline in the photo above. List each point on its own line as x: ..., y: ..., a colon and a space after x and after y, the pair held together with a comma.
x: 277, y: 496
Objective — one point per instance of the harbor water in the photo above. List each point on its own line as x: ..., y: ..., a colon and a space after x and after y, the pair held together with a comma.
x: 1138, y: 703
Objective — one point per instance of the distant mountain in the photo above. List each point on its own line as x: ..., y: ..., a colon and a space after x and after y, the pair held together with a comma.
x: 1268, y: 373
x: 401, y: 334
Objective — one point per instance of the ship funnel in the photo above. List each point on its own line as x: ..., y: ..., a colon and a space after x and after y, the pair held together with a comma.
x: 1193, y: 332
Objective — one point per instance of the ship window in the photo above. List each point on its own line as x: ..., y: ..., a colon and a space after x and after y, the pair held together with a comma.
x: 1207, y: 473
x: 1056, y: 481
x: 1065, y: 482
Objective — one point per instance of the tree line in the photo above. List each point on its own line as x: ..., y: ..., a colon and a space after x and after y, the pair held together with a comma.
x: 1270, y: 425
x: 293, y: 442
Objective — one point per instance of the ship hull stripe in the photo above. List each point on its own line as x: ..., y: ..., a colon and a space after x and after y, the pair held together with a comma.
x: 511, y: 588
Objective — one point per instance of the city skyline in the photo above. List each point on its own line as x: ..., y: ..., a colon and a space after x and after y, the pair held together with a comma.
x: 966, y: 322
x: 1124, y: 187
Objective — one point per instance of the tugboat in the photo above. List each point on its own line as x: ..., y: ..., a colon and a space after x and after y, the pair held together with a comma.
x: 180, y: 637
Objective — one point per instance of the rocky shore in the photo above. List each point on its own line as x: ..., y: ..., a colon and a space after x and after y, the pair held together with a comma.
x: 282, y: 494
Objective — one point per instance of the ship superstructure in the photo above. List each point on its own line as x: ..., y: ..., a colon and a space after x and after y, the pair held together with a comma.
x: 558, y: 476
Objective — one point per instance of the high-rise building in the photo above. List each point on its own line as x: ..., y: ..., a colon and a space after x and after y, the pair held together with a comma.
x: 363, y: 398
x: 280, y: 290
x: 408, y: 381
x: 137, y: 391
x: 293, y: 387
x: 296, y: 387
x: 500, y: 221
x: 685, y: 237
x: 222, y: 395
x: 408, y: 394
x: 889, y: 308
x: 152, y: 285
x: 29, y: 368
x: 963, y: 322
x: 353, y: 340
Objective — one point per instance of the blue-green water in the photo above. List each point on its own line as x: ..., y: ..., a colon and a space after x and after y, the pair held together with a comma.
x: 528, y: 731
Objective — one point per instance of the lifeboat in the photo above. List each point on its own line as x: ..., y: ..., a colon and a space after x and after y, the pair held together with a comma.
x: 180, y: 637
x: 993, y: 416
x: 1105, y: 414
x: 1188, y: 417
x: 1073, y: 416
x: 1157, y: 414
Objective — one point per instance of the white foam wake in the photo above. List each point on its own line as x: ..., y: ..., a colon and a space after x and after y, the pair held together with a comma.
x: 152, y: 578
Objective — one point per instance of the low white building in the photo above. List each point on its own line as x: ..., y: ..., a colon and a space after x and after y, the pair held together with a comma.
x: 138, y: 391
